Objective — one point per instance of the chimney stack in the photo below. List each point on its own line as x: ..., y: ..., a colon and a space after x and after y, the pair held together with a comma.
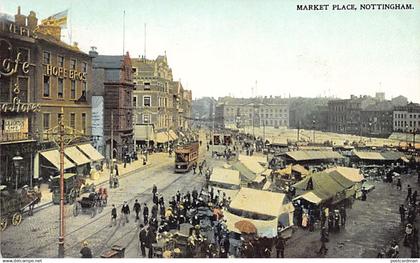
x: 20, y: 19
x: 93, y: 53
x: 32, y: 21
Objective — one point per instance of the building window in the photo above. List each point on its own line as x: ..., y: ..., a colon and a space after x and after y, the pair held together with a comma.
x: 134, y: 101
x: 47, y: 57
x: 147, y: 101
x: 5, y: 90
x: 84, y: 122
x: 84, y: 67
x: 46, y: 86
x: 73, y: 120
x: 60, y: 88
x: 146, y: 86
x: 73, y: 90
x: 46, y: 121
x: 24, y: 54
x: 85, y: 87
x: 23, y: 83
x: 72, y: 64
x: 61, y: 61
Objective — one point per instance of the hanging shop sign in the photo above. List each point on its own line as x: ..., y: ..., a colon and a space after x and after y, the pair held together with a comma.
x: 14, y: 125
x: 64, y: 73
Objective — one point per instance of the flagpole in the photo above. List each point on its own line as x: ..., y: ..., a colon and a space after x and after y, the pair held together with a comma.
x: 123, y: 33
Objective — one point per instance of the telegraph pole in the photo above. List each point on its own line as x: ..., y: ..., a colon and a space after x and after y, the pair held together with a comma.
x: 61, y: 235
x: 111, y: 175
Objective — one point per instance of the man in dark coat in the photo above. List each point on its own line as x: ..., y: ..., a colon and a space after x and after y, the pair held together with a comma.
x: 280, y: 242
x: 154, y: 189
x: 178, y: 196
x: 113, y: 216
x: 149, y: 242
x: 137, y: 208
x: 125, y: 210
x: 402, y: 213
x: 343, y: 215
x: 143, y: 240
x: 408, y: 193
x: 85, y: 251
x: 145, y: 214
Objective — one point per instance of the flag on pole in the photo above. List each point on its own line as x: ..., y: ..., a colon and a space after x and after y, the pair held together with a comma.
x: 59, y: 19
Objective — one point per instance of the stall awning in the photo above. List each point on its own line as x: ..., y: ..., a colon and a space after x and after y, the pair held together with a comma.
x: 310, y: 197
x: 76, y: 156
x: 173, y: 135
x: 91, y: 152
x: 53, y: 157
x: 162, y: 137
x: 225, y: 176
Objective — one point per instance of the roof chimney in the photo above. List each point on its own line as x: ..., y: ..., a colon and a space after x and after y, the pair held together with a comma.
x: 32, y: 20
x: 20, y: 19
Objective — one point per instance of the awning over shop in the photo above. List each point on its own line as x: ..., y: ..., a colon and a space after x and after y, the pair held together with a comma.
x: 162, y: 137
x: 53, y: 156
x: 379, y: 156
x: 91, y: 152
x: 313, y: 155
x: 225, y: 176
x: 144, y: 133
x: 310, y: 197
x: 173, y: 135
x: 258, y: 179
x: 76, y: 156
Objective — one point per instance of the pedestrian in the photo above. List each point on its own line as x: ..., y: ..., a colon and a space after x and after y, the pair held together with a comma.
x: 85, y: 251
x: 149, y: 241
x: 155, y: 198
x: 402, y: 213
x: 324, y: 238
x: 154, y: 189
x: 408, y: 193
x: 125, y: 160
x: 136, y: 209
x: 194, y: 167
x: 280, y: 243
x: 414, y: 198
x: 142, y: 239
x: 125, y: 210
x: 399, y: 186
x: 364, y: 194
x: 330, y: 221
x: 116, y: 170
x: 200, y: 168
x: 343, y: 215
x: 113, y: 216
x: 145, y: 214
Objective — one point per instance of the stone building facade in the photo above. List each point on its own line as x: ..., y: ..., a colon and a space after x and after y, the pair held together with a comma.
x: 407, y: 118
x: 236, y: 113
x: 113, y: 92
x: 48, y: 79
x: 158, y: 100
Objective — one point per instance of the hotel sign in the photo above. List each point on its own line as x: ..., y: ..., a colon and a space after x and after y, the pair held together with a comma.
x: 64, y: 73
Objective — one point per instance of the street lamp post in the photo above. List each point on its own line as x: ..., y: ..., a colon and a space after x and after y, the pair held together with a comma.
x: 313, y: 129
x: 16, y: 161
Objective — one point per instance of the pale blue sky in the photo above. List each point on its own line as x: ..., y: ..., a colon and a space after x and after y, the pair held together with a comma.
x: 221, y: 47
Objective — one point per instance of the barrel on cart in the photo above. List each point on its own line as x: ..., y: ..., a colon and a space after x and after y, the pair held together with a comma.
x: 116, y: 251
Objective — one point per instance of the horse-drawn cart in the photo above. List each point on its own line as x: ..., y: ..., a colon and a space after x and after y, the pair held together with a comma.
x: 90, y: 203
x: 14, y: 203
